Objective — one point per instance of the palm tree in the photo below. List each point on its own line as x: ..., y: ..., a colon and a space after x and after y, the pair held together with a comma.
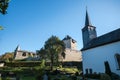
x: 54, y: 47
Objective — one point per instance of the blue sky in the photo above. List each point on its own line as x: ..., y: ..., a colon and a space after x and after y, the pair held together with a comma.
x: 30, y: 23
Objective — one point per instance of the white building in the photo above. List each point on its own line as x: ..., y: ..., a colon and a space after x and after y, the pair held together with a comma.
x: 97, y: 50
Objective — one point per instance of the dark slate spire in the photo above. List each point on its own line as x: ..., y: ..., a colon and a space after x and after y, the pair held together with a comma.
x: 17, y: 48
x: 87, y: 20
x: 89, y: 31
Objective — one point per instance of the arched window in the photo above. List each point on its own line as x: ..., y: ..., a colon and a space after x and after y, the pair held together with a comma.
x: 117, y: 56
x: 24, y: 54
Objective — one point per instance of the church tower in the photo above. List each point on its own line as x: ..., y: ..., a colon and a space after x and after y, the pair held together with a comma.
x: 89, y: 31
x: 70, y: 43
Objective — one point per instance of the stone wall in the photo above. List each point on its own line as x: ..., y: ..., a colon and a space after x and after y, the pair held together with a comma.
x: 72, y: 55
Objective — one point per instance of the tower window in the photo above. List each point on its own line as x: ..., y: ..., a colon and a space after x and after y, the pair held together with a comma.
x: 117, y: 57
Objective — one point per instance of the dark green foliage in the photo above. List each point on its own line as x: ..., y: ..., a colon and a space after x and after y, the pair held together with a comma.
x: 115, y: 76
x: 92, y: 76
x: 105, y: 77
x: 39, y: 77
x: 42, y: 65
x: 22, y: 64
x: 53, y: 50
x: 73, y: 63
x: 42, y: 53
x: 63, y: 55
x: 1, y: 28
x: 8, y: 56
x: 4, y: 6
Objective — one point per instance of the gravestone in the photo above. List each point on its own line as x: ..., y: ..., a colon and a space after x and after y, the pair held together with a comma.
x: 45, y: 77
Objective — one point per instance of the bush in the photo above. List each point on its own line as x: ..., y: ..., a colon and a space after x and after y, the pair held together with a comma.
x: 105, y: 77
x: 93, y: 76
x: 23, y: 64
x: 42, y: 65
x: 115, y: 76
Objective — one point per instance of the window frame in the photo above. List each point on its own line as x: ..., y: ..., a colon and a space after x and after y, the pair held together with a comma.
x: 117, y: 60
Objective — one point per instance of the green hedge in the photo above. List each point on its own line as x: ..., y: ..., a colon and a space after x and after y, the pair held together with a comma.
x: 23, y: 64
x: 37, y: 63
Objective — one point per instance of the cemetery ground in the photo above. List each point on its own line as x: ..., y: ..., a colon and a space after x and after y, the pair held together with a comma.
x: 36, y: 70
x: 21, y: 71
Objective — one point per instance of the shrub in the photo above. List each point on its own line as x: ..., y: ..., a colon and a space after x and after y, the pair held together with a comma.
x: 93, y: 76
x: 23, y: 64
x: 42, y: 65
x: 115, y: 76
x: 105, y: 77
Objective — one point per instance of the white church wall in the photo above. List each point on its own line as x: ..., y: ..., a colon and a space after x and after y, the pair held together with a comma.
x: 94, y: 58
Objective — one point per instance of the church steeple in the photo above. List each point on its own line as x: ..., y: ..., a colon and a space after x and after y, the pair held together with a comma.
x: 17, y: 48
x: 87, y: 20
x: 88, y: 31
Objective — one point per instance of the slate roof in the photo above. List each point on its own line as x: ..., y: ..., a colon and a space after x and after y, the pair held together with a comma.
x: 110, y: 37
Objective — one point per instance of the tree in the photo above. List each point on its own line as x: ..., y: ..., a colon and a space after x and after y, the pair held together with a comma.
x: 54, y: 47
x: 4, y: 6
x: 1, y: 28
x: 7, y: 56
x: 42, y: 53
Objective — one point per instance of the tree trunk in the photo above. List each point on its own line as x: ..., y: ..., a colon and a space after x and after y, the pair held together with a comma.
x: 51, y: 65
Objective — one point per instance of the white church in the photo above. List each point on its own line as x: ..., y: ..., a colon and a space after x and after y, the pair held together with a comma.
x: 97, y: 50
